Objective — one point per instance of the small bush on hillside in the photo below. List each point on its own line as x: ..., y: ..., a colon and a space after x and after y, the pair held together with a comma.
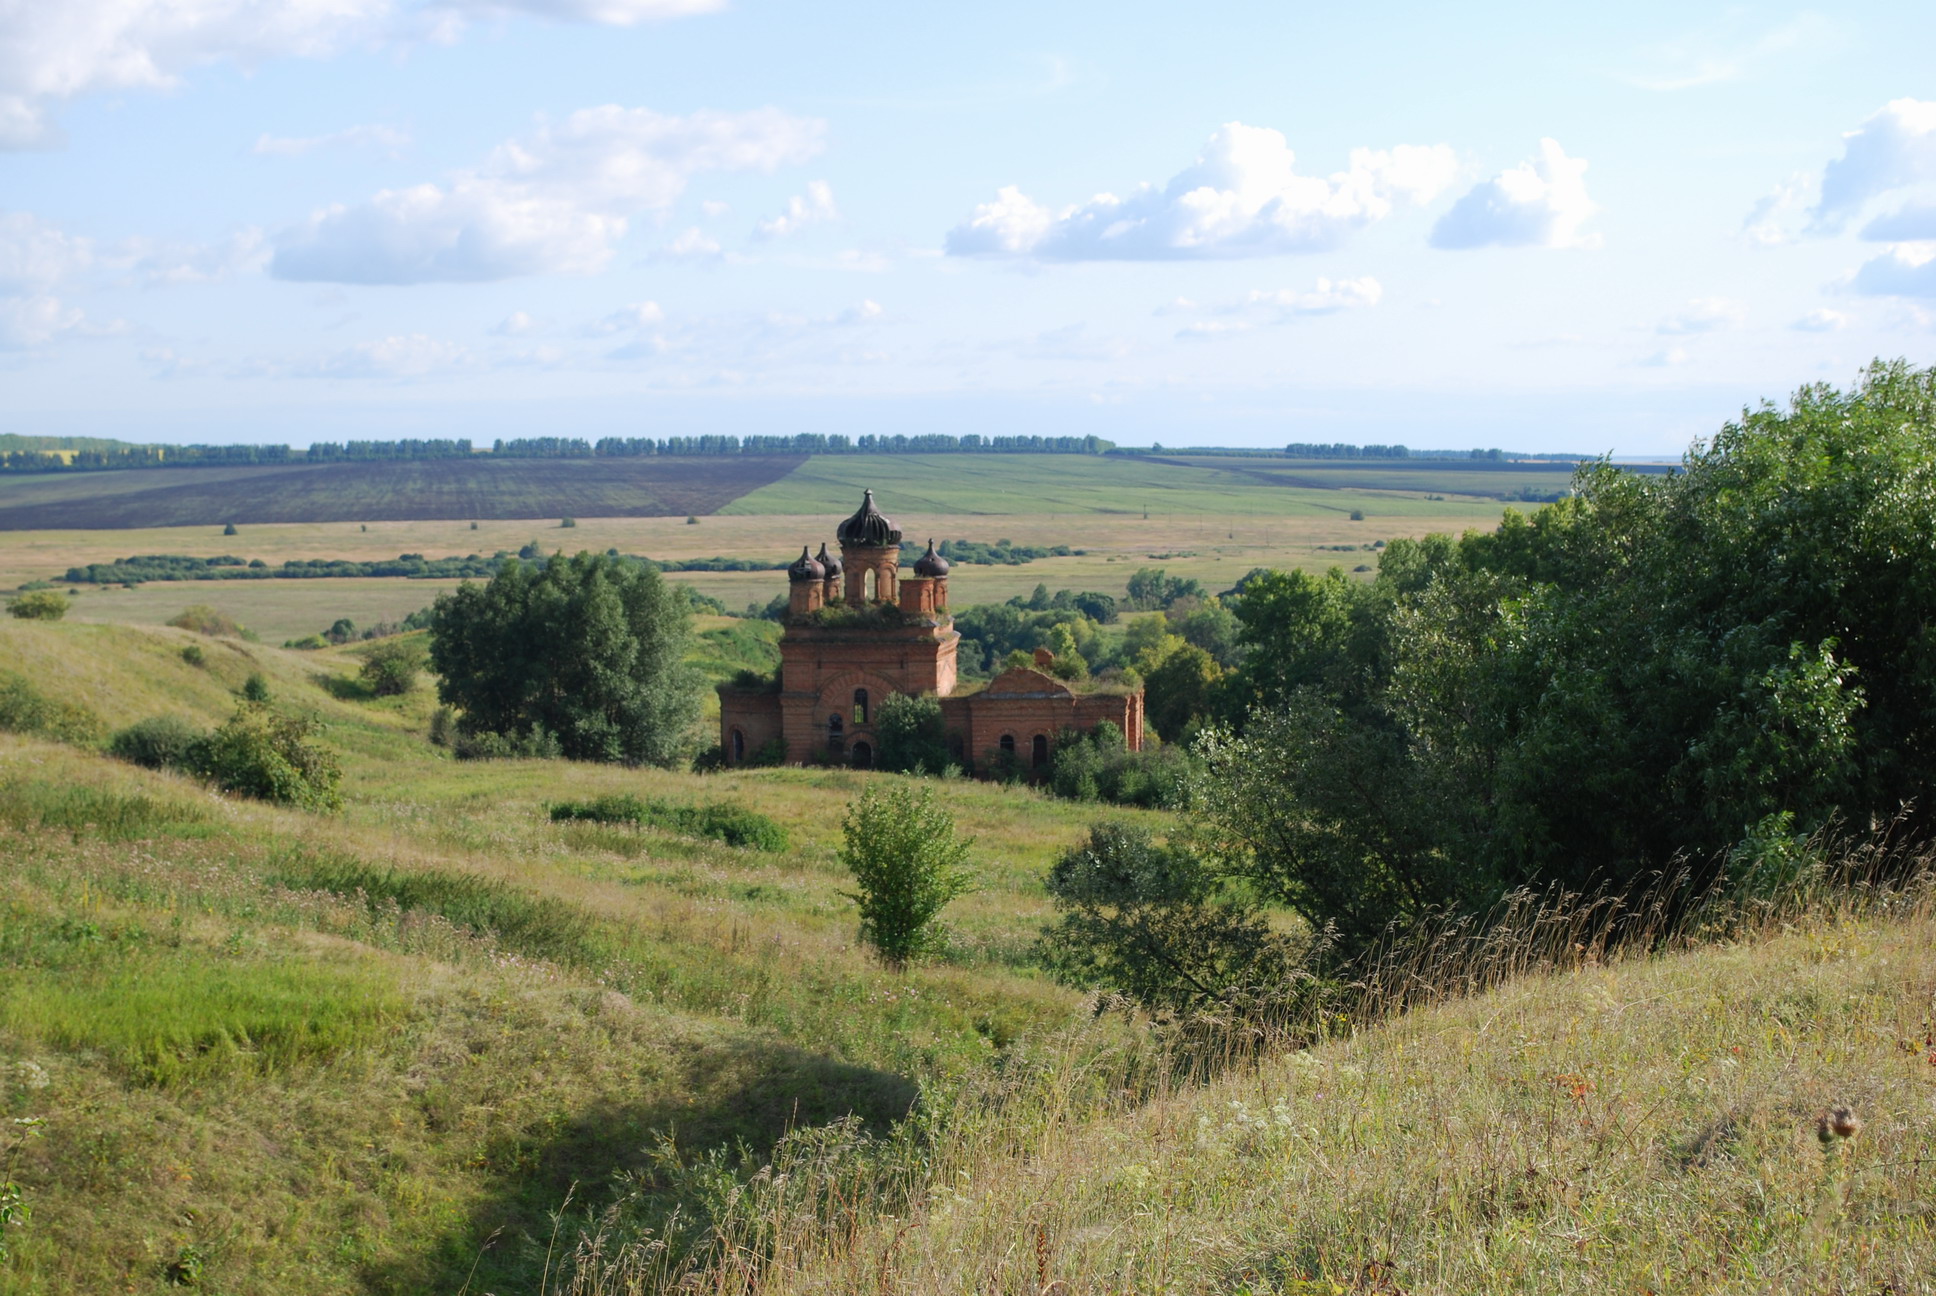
x: 1098, y: 766
x: 160, y: 742
x: 390, y: 669
x: 194, y: 655
x: 273, y: 757
x: 308, y: 643
x: 205, y: 620
x: 255, y: 688
x: 901, y: 848
x: 24, y: 709
x: 39, y: 605
x: 719, y: 820
x: 228, y: 528
x: 443, y: 727
x: 535, y: 743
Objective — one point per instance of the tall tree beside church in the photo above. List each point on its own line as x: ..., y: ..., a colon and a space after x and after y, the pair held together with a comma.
x: 588, y: 649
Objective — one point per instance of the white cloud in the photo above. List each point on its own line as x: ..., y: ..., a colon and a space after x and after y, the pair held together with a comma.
x: 1703, y: 315
x: 157, y: 263
x: 33, y: 319
x: 1243, y: 197
x: 691, y: 244
x: 627, y: 319
x: 35, y: 254
x: 405, y: 356
x: 816, y: 206
x: 384, y: 139
x: 52, y: 50
x: 516, y: 324
x: 1540, y: 203
x: 1893, y: 148
x: 554, y: 201
x: 1671, y: 358
x: 1908, y: 223
x: 1906, y: 270
x: 1261, y: 308
x: 1821, y: 321
x: 1764, y: 225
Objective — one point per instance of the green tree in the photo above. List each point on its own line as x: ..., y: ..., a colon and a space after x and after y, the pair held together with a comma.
x: 912, y: 738
x: 588, y: 649
x: 907, y: 866
x: 1181, y: 691
x: 270, y: 756
x: 390, y: 668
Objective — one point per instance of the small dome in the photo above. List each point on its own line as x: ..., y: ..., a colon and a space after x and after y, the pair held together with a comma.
x: 869, y: 528
x: 805, y: 568
x: 827, y: 561
x: 930, y: 563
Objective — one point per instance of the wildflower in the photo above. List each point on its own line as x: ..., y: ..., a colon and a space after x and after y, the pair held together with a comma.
x: 1838, y: 1123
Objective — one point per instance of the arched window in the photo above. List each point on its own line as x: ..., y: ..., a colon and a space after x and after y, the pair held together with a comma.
x: 869, y: 586
x: 739, y: 746
x: 1039, y: 751
x: 863, y: 756
x: 836, y: 734
x: 1008, y: 744
x: 860, y: 706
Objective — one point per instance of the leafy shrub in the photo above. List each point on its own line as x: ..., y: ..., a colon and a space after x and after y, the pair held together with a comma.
x: 911, y: 735
x: 443, y: 726
x: 734, y: 825
x: 255, y: 688
x: 160, y: 742
x: 205, y: 620
x: 1154, y: 923
x: 902, y: 851
x: 194, y: 655
x: 25, y: 709
x: 39, y: 605
x: 535, y: 743
x: 273, y: 757
x: 1098, y: 766
x: 308, y: 643
x: 390, y: 668
x: 228, y: 528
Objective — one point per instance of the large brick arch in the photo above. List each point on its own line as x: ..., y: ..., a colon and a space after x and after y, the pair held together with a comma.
x: 838, y: 691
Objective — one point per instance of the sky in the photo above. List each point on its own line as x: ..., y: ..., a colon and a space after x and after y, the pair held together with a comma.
x: 1567, y: 228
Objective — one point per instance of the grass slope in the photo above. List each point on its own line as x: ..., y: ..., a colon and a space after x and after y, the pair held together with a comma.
x: 363, y: 1053
x: 448, y: 489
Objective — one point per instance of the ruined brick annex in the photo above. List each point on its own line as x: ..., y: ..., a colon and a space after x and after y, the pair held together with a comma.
x: 857, y: 630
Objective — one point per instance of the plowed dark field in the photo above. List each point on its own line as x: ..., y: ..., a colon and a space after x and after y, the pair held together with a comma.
x: 479, y: 489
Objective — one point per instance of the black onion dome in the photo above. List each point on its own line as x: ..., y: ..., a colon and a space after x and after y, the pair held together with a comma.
x: 828, y: 563
x: 869, y: 528
x: 805, y: 568
x: 930, y: 563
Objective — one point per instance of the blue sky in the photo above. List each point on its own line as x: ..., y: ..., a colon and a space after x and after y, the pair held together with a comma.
x: 1236, y: 224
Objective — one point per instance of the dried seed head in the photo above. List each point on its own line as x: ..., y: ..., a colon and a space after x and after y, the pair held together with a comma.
x: 1838, y: 1123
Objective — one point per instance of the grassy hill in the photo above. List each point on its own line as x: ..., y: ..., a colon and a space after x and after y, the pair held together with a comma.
x: 374, y: 1051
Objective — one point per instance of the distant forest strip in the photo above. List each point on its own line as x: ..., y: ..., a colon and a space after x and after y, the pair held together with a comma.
x: 108, y: 456
x: 141, y: 568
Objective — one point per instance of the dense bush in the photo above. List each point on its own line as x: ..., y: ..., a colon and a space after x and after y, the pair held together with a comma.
x: 390, y: 668
x: 203, y: 619
x: 533, y: 743
x: 1680, y: 667
x: 1154, y: 923
x: 912, y: 740
x: 907, y: 865
x: 271, y: 756
x: 162, y: 742
x: 1098, y: 766
x: 734, y: 825
x: 25, y: 709
x: 589, y: 650
x: 38, y: 605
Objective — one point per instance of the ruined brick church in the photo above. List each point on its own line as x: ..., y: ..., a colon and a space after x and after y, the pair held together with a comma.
x: 857, y: 631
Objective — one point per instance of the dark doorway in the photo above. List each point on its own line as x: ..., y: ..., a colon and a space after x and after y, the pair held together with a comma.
x: 836, y: 735
x: 739, y: 746
x: 863, y: 755
x: 1008, y: 744
x: 1039, y: 751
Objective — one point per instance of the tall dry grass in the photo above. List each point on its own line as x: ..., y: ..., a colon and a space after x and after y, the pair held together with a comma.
x: 1574, y: 1093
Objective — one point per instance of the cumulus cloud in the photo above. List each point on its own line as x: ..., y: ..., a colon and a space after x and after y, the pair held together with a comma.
x: 36, y: 254
x: 1821, y: 321
x: 383, y: 139
x: 34, y: 319
x: 627, y: 319
x: 159, y: 263
x: 1703, y: 315
x: 1906, y: 270
x: 1893, y: 148
x: 554, y: 201
x: 1243, y: 197
x: 1724, y: 52
x: 1670, y: 358
x: 1540, y: 203
x: 1910, y: 222
x: 690, y: 244
x: 1769, y: 222
x: 817, y: 205
x: 516, y: 324
x: 52, y: 50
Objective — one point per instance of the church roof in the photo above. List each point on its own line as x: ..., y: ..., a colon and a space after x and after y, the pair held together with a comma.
x: 828, y: 561
x: 931, y: 563
x: 805, y: 568
x: 869, y: 528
